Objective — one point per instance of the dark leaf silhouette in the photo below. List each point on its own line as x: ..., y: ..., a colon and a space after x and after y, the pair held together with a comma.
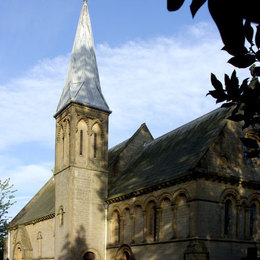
x: 216, y: 83
x: 253, y: 154
x: 244, y: 84
x: 249, y: 143
x: 257, y: 37
x: 255, y: 120
x: 195, y: 6
x: 218, y: 95
x: 234, y: 20
x: 236, y: 118
x: 173, y: 5
x: 242, y: 61
x: 232, y: 86
x: 257, y: 55
x: 249, y: 31
x: 228, y: 104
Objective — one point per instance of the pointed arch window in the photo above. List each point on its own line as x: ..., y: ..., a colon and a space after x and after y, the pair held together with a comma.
x: 81, y: 143
x: 228, y: 212
x: 81, y: 139
x: 252, y: 220
x: 96, y: 141
x: 59, y: 147
x: 95, y: 145
x: 18, y: 252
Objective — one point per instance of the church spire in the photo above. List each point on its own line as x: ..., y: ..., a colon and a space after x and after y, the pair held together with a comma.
x: 82, y: 84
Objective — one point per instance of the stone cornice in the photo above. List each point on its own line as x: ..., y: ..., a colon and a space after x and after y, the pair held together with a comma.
x: 205, y: 239
x: 84, y: 168
x: 197, y: 173
x: 33, y: 221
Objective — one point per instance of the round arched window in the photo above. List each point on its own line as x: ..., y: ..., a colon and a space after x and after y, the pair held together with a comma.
x: 126, y: 256
x: 89, y: 256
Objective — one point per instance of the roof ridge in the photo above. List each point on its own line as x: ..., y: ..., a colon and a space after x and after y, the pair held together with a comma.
x: 200, y: 118
x: 127, y: 141
x: 172, y: 154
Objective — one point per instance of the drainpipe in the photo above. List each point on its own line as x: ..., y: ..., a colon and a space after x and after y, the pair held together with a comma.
x: 105, y: 231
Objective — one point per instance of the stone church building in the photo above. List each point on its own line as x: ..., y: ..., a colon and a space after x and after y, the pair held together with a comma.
x: 189, y: 194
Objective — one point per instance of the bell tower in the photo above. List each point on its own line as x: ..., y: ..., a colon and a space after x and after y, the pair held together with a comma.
x: 81, y: 154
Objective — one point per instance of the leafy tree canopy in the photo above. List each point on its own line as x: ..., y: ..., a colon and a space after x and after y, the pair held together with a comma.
x: 235, y: 21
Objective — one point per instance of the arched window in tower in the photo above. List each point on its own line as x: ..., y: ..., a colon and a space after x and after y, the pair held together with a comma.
x: 151, y: 222
x: 95, y: 145
x: 66, y: 141
x: 59, y: 147
x: 228, y: 215
x: 96, y: 141
x: 252, y: 220
x: 81, y: 143
x: 81, y: 140
x: 115, y: 228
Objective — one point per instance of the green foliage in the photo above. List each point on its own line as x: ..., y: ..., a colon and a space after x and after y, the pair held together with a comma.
x: 235, y: 21
x: 245, y: 100
x: 6, y: 201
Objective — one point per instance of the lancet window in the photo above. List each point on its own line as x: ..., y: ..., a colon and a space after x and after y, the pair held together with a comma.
x: 252, y: 221
x: 151, y: 221
x: 182, y: 216
x: 127, y: 227
x: 139, y: 225
x: 166, y: 220
x: 228, y: 217
x: 115, y: 228
x: 81, y: 140
x: 96, y: 141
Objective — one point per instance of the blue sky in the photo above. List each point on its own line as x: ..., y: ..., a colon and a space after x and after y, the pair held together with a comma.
x: 154, y: 67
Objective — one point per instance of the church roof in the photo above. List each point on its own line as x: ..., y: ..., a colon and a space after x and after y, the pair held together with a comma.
x: 163, y: 159
x: 40, y: 206
x: 115, y: 151
x: 82, y: 83
x: 171, y: 155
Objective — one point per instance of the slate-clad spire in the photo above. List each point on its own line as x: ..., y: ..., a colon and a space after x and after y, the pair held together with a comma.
x: 82, y: 84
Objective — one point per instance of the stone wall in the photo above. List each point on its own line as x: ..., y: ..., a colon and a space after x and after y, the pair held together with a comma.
x: 184, y: 213
x: 32, y: 241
